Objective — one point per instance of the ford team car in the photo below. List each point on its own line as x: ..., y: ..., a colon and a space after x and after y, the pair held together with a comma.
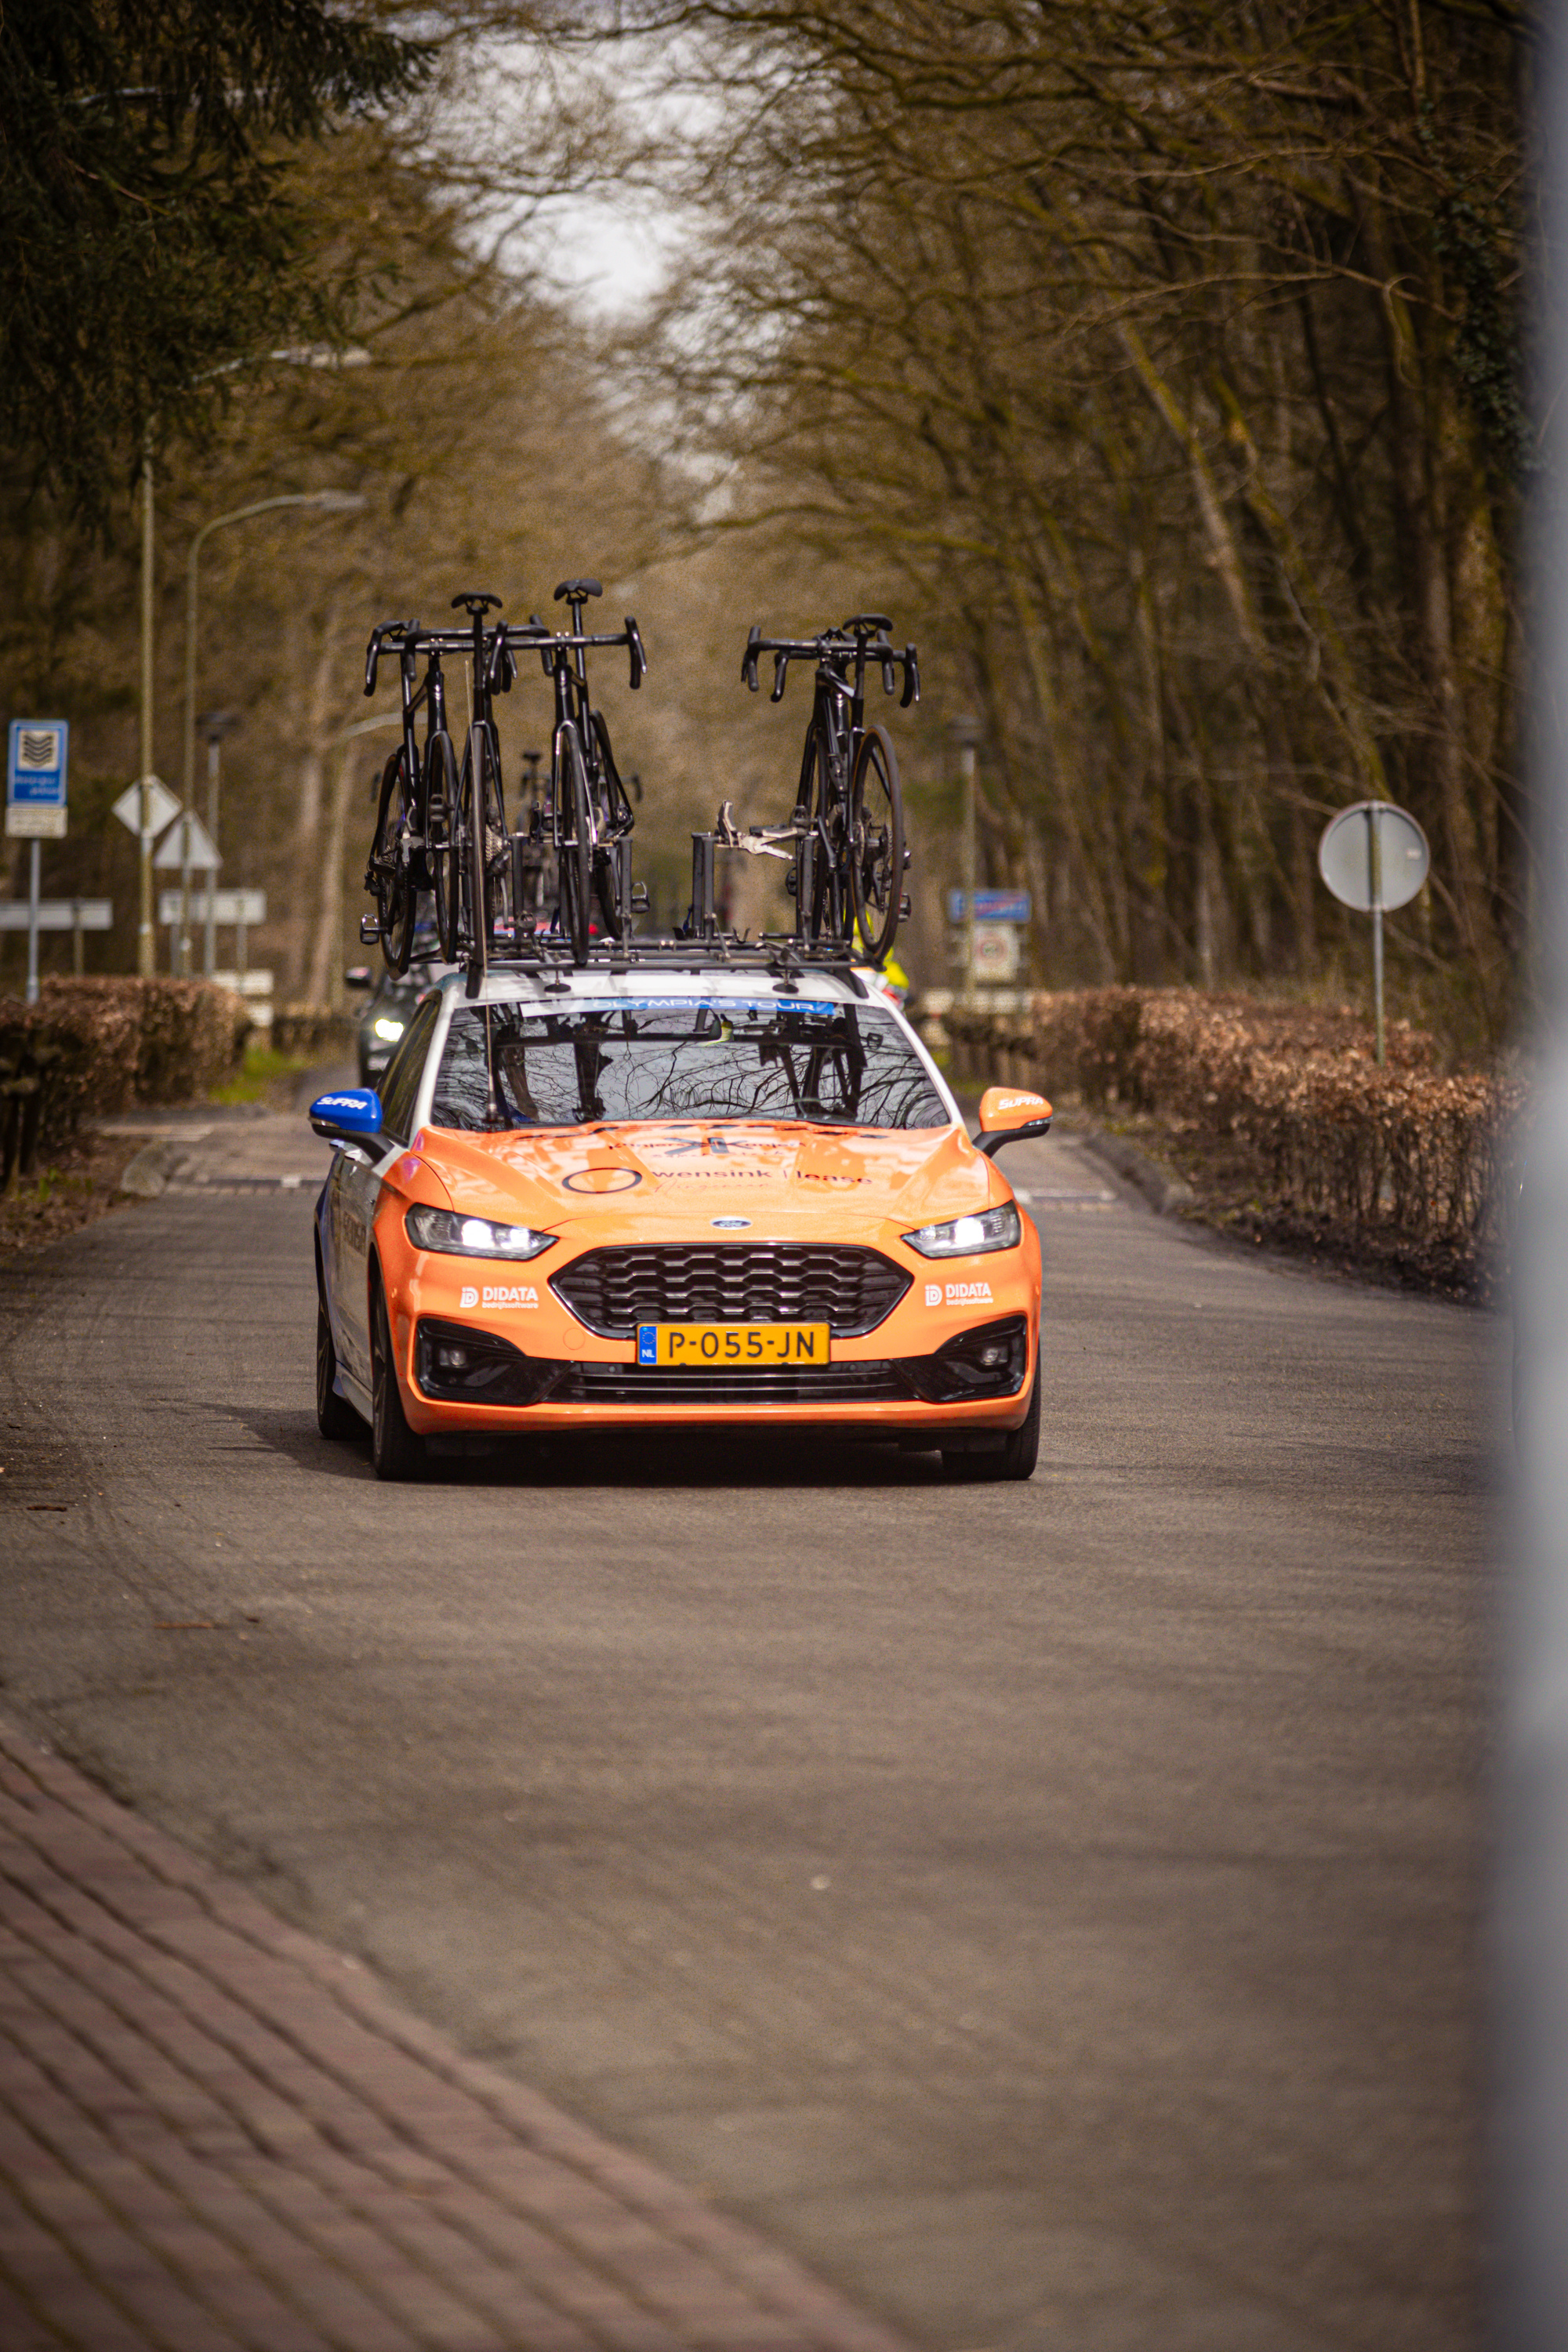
x: 597, y: 1198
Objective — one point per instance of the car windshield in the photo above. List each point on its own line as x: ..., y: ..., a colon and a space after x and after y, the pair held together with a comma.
x: 838, y: 1065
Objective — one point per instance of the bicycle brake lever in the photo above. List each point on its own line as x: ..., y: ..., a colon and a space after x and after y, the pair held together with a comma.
x: 911, y: 677
x: 371, y: 660
x: 545, y: 663
x: 639, y: 659
x: 889, y: 673
x: 781, y: 671
x: 501, y: 668
x: 749, y: 659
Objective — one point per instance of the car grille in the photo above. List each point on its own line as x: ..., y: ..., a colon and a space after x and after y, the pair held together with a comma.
x: 613, y: 1290
x: 665, y: 1384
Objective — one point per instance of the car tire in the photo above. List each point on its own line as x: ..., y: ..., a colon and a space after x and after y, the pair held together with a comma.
x: 335, y: 1417
x: 396, y: 1450
x: 1016, y: 1457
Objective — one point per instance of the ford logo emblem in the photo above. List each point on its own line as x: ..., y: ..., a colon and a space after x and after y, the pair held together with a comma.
x: 731, y: 1224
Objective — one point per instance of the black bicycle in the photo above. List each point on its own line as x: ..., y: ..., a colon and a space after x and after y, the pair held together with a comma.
x: 427, y: 836
x: 847, y: 878
x: 411, y: 847
x: 480, y: 855
x: 587, y: 816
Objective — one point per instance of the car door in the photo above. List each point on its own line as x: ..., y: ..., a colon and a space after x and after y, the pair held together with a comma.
x: 356, y: 1187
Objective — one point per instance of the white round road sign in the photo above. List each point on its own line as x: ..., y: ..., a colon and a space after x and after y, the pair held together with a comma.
x: 1374, y: 857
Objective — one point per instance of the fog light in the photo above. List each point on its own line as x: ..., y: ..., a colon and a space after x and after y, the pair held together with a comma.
x: 987, y: 1362
x: 458, y: 1364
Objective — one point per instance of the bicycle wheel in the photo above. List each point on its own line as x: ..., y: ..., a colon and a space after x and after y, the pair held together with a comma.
x: 440, y: 817
x: 577, y: 850
x: 602, y: 800
x: 605, y: 892
x: 876, y: 843
x: 809, y: 795
x: 389, y: 877
x: 830, y: 912
x: 485, y: 820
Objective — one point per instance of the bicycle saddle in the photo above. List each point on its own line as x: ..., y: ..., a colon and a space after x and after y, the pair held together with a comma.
x: 575, y: 591
x: 471, y: 600
x: 861, y: 624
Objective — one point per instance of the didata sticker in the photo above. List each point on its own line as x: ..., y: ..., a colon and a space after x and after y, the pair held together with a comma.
x: 967, y: 1294
x: 933, y: 1294
x: 499, y: 1294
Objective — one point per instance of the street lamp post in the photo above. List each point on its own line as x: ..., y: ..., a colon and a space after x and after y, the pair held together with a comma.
x: 314, y: 355
x: 214, y: 725
x: 323, y: 502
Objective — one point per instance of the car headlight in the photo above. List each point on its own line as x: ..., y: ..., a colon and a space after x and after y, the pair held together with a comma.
x: 388, y: 1028
x: 998, y: 1229
x: 440, y: 1229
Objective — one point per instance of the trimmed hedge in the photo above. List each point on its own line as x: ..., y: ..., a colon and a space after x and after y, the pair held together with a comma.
x: 1404, y: 1153
x: 90, y: 1046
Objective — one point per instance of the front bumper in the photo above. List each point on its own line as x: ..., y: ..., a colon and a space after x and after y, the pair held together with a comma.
x: 930, y: 1365
x: 458, y: 1364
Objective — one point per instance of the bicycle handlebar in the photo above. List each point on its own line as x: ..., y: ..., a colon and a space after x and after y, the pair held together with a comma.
x: 550, y: 644
x: 408, y: 637
x: 856, y: 640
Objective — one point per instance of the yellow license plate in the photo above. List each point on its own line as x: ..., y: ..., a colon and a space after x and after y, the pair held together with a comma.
x: 732, y: 1343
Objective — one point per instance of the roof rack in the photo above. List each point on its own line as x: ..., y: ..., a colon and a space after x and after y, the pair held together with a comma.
x: 777, y: 952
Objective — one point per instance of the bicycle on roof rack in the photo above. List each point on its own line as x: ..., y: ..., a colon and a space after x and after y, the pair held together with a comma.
x: 847, y: 829
x: 416, y: 792
x: 586, y: 818
x: 425, y: 834
x: 477, y: 850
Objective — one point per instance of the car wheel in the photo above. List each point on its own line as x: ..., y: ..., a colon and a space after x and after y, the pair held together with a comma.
x: 335, y: 1417
x: 396, y: 1450
x: 1017, y: 1456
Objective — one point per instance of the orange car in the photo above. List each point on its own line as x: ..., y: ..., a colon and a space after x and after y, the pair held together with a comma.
x: 606, y: 1198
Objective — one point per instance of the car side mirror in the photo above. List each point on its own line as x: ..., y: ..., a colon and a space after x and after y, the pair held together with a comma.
x: 359, y: 975
x: 1008, y: 1115
x: 352, y: 1116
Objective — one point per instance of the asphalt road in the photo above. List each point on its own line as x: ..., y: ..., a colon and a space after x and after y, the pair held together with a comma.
x: 1050, y: 1911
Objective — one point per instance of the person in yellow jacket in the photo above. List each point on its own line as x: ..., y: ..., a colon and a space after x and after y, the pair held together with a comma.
x: 891, y: 981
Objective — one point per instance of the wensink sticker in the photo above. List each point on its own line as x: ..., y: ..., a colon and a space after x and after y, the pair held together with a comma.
x: 499, y: 1294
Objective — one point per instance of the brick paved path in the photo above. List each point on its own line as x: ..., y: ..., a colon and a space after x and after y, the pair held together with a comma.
x: 215, y: 2132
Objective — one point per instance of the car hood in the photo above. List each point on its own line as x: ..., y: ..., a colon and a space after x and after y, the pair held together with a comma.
x: 668, y: 1180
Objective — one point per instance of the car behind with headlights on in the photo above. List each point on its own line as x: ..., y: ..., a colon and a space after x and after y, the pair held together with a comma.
x: 619, y: 1197
x: 389, y: 1009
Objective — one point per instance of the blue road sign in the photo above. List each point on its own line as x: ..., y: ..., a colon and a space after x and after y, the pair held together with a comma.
x: 993, y: 907
x: 36, y: 779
